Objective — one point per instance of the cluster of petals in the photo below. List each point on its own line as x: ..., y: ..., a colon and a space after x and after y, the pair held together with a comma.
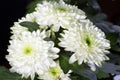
x: 55, y: 73
x: 34, y: 52
x: 30, y: 54
x: 58, y: 14
x: 87, y: 42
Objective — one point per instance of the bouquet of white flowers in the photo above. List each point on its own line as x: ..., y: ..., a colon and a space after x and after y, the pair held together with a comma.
x: 58, y: 41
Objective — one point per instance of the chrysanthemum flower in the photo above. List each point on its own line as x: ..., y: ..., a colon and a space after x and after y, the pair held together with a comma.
x: 55, y: 73
x: 17, y: 29
x: 30, y: 54
x: 87, y: 43
x: 56, y: 15
x: 29, y: 17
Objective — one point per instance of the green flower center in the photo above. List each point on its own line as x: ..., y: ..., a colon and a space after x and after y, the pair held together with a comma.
x: 28, y: 50
x: 88, y: 41
x: 61, y: 9
x: 55, y: 71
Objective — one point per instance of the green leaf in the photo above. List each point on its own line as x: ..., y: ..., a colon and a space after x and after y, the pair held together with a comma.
x: 113, y: 37
x: 64, y: 63
x: 5, y: 74
x: 80, y: 70
x: 77, y: 77
x: 101, y: 75
x: 32, y: 5
x: 116, y: 48
x: 88, y: 74
x: 32, y: 26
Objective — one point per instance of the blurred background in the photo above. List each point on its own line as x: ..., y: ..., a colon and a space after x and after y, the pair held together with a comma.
x: 12, y: 10
x: 112, y: 9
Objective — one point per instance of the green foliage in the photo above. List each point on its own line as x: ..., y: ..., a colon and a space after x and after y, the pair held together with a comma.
x: 31, y: 6
x: 5, y: 74
x: 32, y: 26
x: 80, y: 70
x: 101, y: 75
x: 114, y: 37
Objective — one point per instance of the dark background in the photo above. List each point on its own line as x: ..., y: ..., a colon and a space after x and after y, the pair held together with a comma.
x: 112, y: 9
x: 12, y: 10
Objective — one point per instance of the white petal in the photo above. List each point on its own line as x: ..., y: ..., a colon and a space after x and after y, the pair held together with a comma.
x: 91, y: 65
x: 72, y: 59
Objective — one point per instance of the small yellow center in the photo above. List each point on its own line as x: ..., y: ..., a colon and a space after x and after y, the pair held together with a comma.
x: 55, y: 71
x: 28, y: 50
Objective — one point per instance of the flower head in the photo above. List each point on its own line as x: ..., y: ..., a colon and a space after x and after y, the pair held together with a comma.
x: 56, y: 15
x: 29, y: 17
x: 17, y: 29
x: 30, y: 54
x: 87, y: 43
x: 55, y: 73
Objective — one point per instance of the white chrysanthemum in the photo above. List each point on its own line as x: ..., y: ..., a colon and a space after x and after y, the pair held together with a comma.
x: 30, y: 54
x: 17, y: 29
x: 87, y: 43
x: 29, y: 17
x: 55, y: 73
x: 59, y: 14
